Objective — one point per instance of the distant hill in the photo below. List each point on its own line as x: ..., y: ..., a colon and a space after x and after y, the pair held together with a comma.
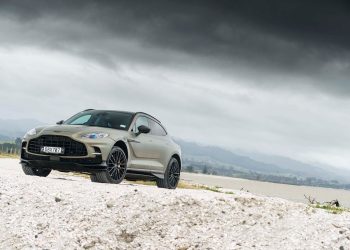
x: 4, y: 138
x: 313, y: 170
x: 224, y: 162
x: 11, y: 128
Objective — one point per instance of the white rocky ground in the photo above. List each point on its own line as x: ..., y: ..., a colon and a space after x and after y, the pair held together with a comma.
x: 66, y: 212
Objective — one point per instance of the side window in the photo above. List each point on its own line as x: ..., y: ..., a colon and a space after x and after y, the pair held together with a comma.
x: 141, y: 120
x: 156, y: 129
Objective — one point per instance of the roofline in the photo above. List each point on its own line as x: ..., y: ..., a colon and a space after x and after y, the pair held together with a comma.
x: 108, y: 110
x: 143, y: 113
x: 134, y: 113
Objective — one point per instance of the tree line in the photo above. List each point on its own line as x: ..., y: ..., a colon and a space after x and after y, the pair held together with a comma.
x: 11, y: 147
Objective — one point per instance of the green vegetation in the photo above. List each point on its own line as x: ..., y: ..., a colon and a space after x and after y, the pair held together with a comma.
x: 330, y: 208
x: 205, y: 170
x: 10, y: 149
x: 229, y: 192
x: 213, y: 189
x: 4, y: 155
x: 185, y: 185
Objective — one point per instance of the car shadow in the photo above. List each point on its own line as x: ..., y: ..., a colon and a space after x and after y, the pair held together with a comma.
x: 61, y: 178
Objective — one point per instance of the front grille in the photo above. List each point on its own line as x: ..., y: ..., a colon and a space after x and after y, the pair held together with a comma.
x: 71, y: 147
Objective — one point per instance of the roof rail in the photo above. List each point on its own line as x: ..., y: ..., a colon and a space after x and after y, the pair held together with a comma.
x: 88, y: 110
x: 148, y: 115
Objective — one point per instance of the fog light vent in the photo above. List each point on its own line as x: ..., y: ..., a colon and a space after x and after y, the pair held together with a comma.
x: 97, y: 151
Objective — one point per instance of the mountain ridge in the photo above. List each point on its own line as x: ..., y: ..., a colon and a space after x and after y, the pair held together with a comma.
x: 194, y: 153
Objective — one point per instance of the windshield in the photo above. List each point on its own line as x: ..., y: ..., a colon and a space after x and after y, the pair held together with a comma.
x: 105, y: 119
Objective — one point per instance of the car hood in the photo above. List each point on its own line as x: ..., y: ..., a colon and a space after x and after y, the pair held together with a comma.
x: 77, y: 130
x: 72, y: 129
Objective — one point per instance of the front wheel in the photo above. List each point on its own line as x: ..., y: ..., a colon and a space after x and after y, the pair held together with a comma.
x: 171, y: 175
x: 116, y: 168
x: 42, y: 172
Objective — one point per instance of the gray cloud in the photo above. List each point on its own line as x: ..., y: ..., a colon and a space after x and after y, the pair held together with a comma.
x: 308, y: 39
x: 251, y: 75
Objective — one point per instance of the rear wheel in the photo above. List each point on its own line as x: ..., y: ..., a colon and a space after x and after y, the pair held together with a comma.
x: 116, y: 168
x: 42, y: 172
x: 171, y: 175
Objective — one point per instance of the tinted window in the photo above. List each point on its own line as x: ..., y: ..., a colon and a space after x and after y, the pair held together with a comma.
x: 156, y: 129
x: 141, y: 121
x: 105, y: 119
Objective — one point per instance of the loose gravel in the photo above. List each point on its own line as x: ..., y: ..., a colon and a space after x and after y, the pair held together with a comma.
x: 68, y: 212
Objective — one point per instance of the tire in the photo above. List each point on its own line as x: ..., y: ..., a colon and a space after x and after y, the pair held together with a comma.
x: 117, y: 163
x: 42, y: 172
x: 98, y: 178
x: 171, y: 175
x: 93, y: 178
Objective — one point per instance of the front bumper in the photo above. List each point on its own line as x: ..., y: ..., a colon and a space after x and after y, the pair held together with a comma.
x: 93, y: 161
x: 86, y: 164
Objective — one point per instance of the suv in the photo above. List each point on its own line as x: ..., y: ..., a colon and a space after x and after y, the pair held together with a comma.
x: 108, y: 145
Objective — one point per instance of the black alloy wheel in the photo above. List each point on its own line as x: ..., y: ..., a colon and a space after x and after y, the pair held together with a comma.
x: 116, y: 168
x: 171, y: 175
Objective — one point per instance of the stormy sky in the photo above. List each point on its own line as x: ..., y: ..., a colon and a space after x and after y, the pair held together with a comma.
x: 260, y: 76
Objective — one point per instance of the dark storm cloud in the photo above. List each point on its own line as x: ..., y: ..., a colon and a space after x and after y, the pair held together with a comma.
x: 310, y: 39
x: 271, y: 75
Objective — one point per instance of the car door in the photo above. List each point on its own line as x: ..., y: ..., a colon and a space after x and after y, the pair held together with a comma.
x: 145, y: 148
x: 160, y: 142
x: 141, y: 143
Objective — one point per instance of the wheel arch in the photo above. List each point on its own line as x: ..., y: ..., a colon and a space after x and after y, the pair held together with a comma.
x: 123, y: 146
x: 178, y: 158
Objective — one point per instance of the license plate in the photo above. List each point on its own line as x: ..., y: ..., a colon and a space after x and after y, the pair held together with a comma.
x: 52, y: 150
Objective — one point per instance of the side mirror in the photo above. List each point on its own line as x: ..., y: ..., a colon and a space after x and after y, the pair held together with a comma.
x: 60, y: 122
x: 143, y: 129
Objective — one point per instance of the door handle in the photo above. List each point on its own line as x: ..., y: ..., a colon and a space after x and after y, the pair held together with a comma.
x: 132, y: 140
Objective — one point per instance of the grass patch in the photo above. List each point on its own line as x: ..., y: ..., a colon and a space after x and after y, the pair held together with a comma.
x: 229, y: 192
x: 213, y: 189
x: 181, y: 184
x: 10, y: 156
x: 331, y: 209
x: 185, y: 185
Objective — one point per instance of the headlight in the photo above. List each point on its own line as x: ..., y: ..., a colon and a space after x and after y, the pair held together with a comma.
x: 95, y: 135
x: 30, y: 132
